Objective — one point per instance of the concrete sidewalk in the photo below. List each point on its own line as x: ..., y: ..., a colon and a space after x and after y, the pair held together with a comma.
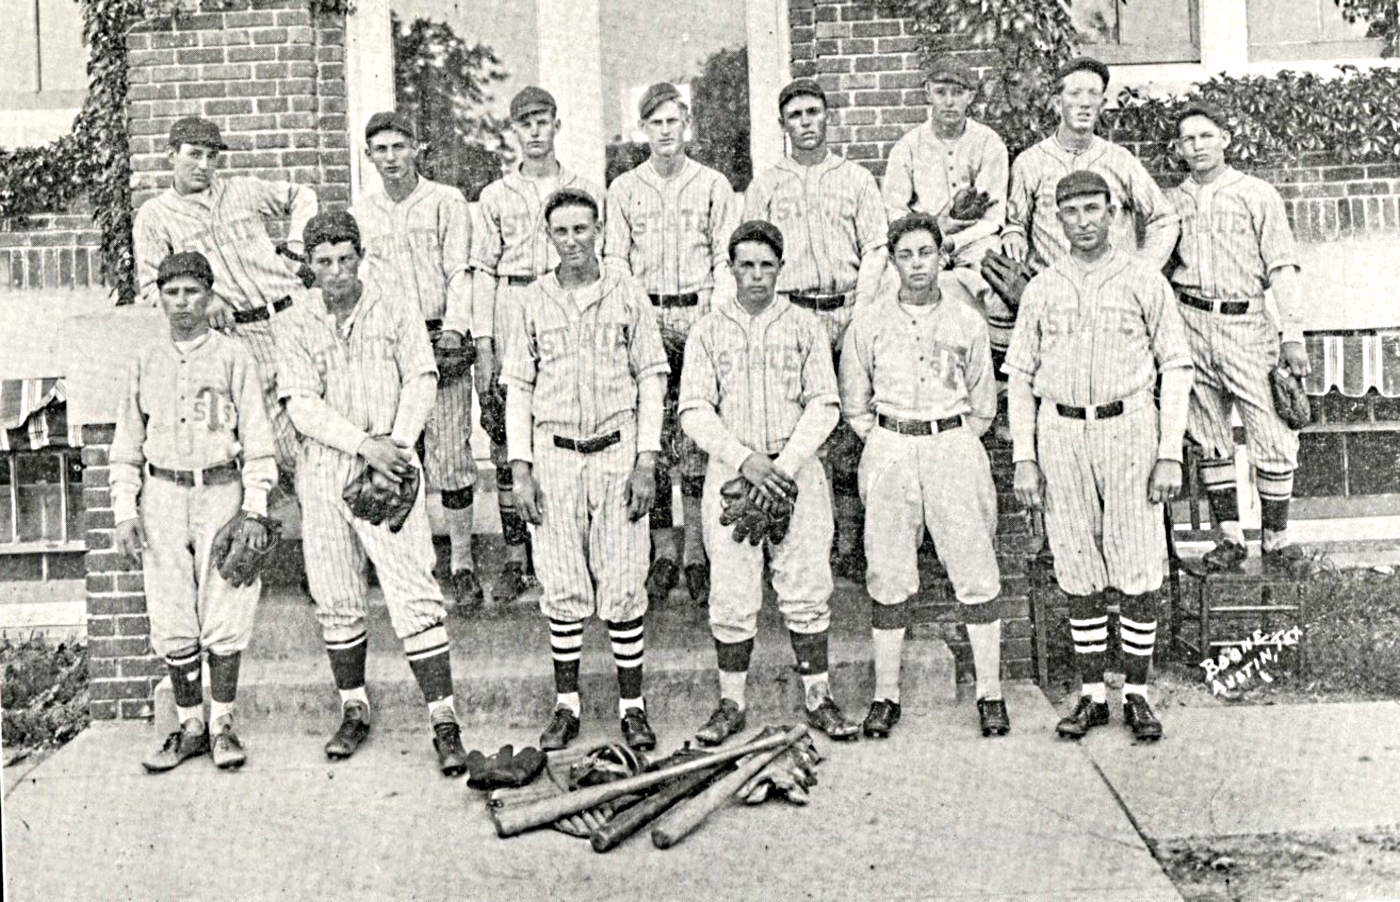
x: 936, y: 812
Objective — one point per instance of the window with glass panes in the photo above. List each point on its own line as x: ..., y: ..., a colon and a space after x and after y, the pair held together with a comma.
x: 41, y: 498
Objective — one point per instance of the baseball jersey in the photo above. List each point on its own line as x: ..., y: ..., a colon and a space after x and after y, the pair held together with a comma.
x: 1097, y: 333
x: 420, y: 246
x: 924, y: 172
x: 758, y: 372
x: 830, y: 215
x: 508, y: 235
x: 671, y: 234
x: 582, y: 352
x: 359, y: 366
x: 917, y: 363
x: 1031, y: 207
x: 226, y: 224
x: 190, y: 409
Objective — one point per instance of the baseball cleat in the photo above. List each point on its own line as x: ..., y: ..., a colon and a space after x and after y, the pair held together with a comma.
x: 1137, y: 714
x: 884, y: 714
x: 727, y: 720
x: 190, y: 741
x: 1226, y: 555
x: 661, y: 580
x: 697, y: 582
x: 228, y: 751
x: 466, y: 588
x: 354, y: 728
x: 1088, y: 713
x: 562, y: 729
x: 1292, y: 560
x: 447, y: 742
x: 992, y: 713
x: 510, y: 584
x: 636, y: 731
x: 828, y: 718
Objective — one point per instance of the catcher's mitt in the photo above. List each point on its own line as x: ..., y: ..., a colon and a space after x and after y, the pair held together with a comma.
x: 969, y: 204
x: 752, y: 515
x: 1007, y: 278
x: 242, y: 545
x: 372, y: 497
x: 493, y: 413
x: 1290, y: 400
x: 602, y: 764
x: 453, y: 363
x: 304, y: 272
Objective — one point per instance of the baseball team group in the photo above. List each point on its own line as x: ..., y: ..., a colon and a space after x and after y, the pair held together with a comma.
x: 815, y: 361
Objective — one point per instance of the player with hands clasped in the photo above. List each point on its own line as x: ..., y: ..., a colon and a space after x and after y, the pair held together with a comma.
x: 1235, y: 243
x: 1095, y: 331
x: 759, y: 396
x: 194, y: 442
x: 917, y: 385
x: 359, y: 379
x: 585, y: 377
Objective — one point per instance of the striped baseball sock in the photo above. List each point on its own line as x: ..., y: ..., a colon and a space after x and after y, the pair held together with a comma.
x: 887, y: 627
x: 429, y: 658
x: 628, y: 653
x: 348, y: 664
x: 1088, y: 627
x: 733, y: 658
x: 565, y: 648
x: 1137, y: 622
x: 811, y: 652
x: 187, y: 681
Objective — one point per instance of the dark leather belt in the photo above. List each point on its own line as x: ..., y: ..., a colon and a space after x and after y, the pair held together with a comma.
x: 588, y: 445
x: 1102, y: 412
x: 674, y: 300
x: 919, y: 427
x: 519, y: 281
x: 822, y: 302
x: 1228, y: 308
x: 215, y: 475
x: 258, y: 314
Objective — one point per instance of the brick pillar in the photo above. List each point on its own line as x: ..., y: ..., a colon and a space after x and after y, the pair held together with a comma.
x: 122, y: 669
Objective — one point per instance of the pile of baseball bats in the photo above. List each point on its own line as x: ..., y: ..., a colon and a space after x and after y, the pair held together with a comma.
x: 678, y: 798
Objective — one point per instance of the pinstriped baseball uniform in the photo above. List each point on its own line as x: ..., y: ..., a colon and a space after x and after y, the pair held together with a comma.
x: 581, y: 353
x: 226, y: 223
x: 759, y: 373
x: 1089, y: 335
x: 929, y: 364
x: 1030, y: 208
x: 191, y: 407
x: 420, y: 247
x: 357, y: 368
x: 1234, y: 235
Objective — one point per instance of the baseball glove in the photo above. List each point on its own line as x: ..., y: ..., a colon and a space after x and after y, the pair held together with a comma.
x: 1290, y: 400
x: 372, y: 497
x: 602, y: 764
x: 453, y: 363
x: 752, y: 515
x: 493, y: 413
x: 969, y: 204
x: 1007, y: 278
x: 789, y: 775
x: 304, y: 272
x: 506, y: 768
x: 241, y: 547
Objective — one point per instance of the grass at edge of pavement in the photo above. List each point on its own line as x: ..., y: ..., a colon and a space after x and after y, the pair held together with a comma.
x: 44, y: 693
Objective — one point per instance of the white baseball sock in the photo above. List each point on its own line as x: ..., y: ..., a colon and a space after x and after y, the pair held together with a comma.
x: 986, y: 657
x: 889, y: 646
x: 732, y: 684
x: 218, y: 711
x: 354, y: 695
x: 459, y: 531
x: 571, y: 701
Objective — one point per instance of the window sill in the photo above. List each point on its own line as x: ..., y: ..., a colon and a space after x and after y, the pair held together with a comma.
x: 43, y: 547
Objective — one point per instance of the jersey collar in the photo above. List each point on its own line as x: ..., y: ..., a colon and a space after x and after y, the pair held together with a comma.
x: 647, y: 173
x: 1228, y: 177
x: 833, y: 159
x: 744, y: 320
x: 607, y: 282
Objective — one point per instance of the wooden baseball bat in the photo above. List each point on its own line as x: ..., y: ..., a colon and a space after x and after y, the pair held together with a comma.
x: 680, y: 821
x: 630, y: 820
x: 519, y: 818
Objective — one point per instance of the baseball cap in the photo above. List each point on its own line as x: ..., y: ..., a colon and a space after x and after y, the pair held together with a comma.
x: 802, y: 87
x: 197, y: 131
x: 1083, y: 64
x: 331, y: 227
x: 656, y: 95
x: 1196, y: 108
x: 185, y: 263
x: 1080, y: 183
x: 951, y: 70
x: 531, y: 100
x: 390, y: 121
x: 757, y: 230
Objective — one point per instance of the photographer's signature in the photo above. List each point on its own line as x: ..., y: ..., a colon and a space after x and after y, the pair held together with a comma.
x: 1238, y: 665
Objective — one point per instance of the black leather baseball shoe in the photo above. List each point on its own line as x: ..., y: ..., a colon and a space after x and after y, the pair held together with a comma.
x: 1088, y: 713
x: 354, y: 729
x: 1226, y: 555
x: 697, y: 582
x: 884, y: 714
x: 661, y: 579
x: 228, y: 753
x: 1137, y: 714
x: 727, y: 720
x: 190, y: 741
x: 447, y: 742
x: 562, y: 729
x: 510, y: 585
x: 992, y: 713
x: 636, y: 731
x: 828, y: 718
x: 466, y: 589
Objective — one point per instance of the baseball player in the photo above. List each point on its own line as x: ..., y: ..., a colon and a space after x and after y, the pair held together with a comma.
x: 759, y: 396
x: 917, y: 386
x: 950, y: 154
x: 510, y: 249
x: 1094, y: 333
x: 359, y: 380
x: 585, y: 377
x: 417, y: 238
x: 833, y: 220
x: 667, y: 222
x: 193, y: 440
x: 1032, y: 232
x: 1235, y: 243
x: 225, y: 219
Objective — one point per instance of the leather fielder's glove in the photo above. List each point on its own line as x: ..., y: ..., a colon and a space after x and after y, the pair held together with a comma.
x: 506, y: 768
x: 493, y: 413
x: 969, y: 204
x: 1007, y: 278
x: 454, y: 363
x: 1290, y: 400
x: 304, y: 272
x: 753, y: 516
x: 372, y: 497
x: 790, y: 775
x: 241, y: 547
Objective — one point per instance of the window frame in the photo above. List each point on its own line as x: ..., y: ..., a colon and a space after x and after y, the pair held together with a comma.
x: 1119, y: 54
x: 66, y: 542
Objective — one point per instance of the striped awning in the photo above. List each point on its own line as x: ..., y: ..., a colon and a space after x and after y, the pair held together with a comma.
x: 1354, y: 363
x: 34, y: 415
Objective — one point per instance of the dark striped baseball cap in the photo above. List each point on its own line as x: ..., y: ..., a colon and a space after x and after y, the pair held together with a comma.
x: 1084, y: 64
x: 185, y: 263
x: 951, y: 70
x: 802, y: 87
x: 1080, y: 183
x: 656, y: 95
x: 196, y: 131
x: 531, y: 99
x: 391, y: 120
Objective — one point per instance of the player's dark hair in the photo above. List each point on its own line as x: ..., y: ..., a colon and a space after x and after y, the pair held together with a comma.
x: 759, y: 231
x: 331, y: 227
x: 914, y: 222
x: 1191, y: 110
x: 569, y: 197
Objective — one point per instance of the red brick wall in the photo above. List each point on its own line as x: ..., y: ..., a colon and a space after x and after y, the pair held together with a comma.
x: 50, y: 251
